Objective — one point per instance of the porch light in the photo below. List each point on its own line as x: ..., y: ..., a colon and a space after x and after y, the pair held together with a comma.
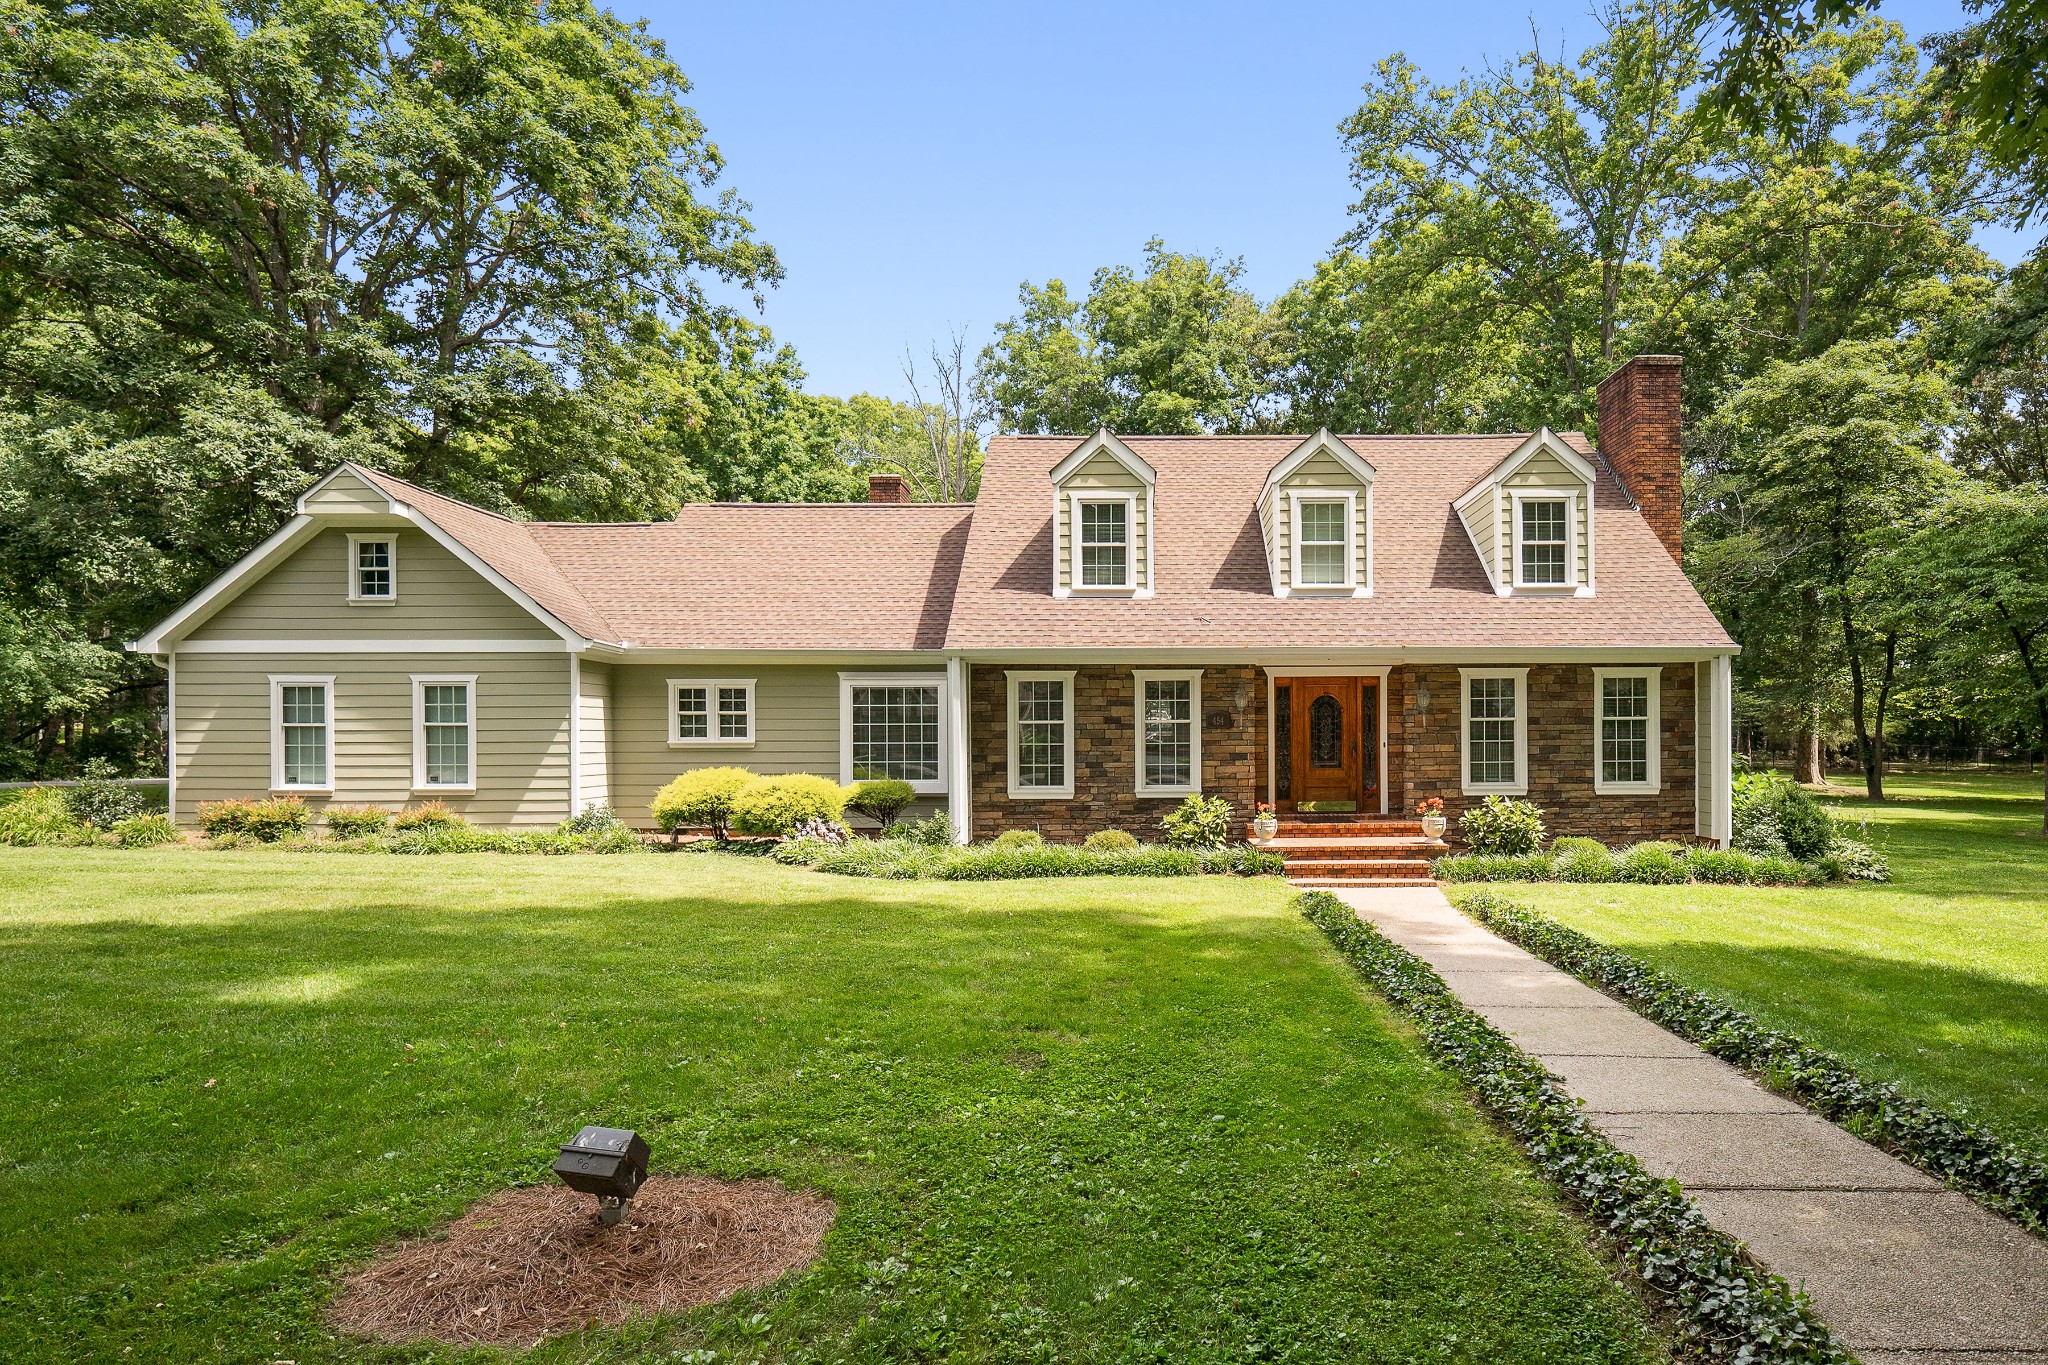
x: 1422, y: 696
x: 610, y: 1163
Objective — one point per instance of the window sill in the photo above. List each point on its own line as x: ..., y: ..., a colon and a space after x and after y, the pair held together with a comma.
x: 373, y: 601
x: 1627, y: 789
x: 442, y: 789
x: 1518, y: 789
x: 1169, y: 791
x: 302, y: 791
x: 711, y: 744
x: 1098, y: 590
x: 1041, y: 793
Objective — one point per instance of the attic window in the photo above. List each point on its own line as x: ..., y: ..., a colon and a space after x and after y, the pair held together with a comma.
x: 372, y: 569
x: 1323, y: 556
x: 1105, y: 544
x: 1542, y: 542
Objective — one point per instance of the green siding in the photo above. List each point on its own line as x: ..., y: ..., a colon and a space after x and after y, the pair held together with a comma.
x: 347, y: 494
x: 306, y: 598
x: 521, y: 717
x: 594, y: 683
x: 1320, y: 473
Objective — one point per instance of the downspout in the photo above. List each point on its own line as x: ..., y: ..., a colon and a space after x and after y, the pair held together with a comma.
x: 959, y: 805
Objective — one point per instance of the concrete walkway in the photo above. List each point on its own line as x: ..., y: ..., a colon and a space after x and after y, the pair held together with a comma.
x: 1902, y: 1268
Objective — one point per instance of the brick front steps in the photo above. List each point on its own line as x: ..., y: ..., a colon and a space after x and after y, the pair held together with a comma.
x: 1355, y: 850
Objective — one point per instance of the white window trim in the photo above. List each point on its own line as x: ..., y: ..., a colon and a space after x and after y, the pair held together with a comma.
x: 278, y: 682
x: 1570, y: 498
x: 1193, y: 678
x: 373, y: 537
x: 1655, y: 783
x: 1076, y: 497
x: 1061, y: 793
x: 420, y: 683
x: 849, y: 681
x: 1520, y: 786
x: 712, y: 739
x: 1350, y: 586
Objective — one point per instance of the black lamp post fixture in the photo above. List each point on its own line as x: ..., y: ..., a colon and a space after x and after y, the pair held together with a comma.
x: 610, y: 1163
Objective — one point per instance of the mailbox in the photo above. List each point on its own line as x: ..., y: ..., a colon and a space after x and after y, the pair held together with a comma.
x: 610, y: 1163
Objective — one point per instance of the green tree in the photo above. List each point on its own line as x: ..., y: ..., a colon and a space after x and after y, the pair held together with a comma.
x: 1182, y: 348
x: 1815, y: 466
x: 1978, y: 567
x: 1557, y: 181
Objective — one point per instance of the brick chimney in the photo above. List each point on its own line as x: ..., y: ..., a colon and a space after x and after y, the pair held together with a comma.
x: 1637, y: 413
x: 887, y: 488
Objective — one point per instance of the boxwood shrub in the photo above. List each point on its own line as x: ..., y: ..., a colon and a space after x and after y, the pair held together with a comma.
x: 777, y: 805
x: 1725, y: 1306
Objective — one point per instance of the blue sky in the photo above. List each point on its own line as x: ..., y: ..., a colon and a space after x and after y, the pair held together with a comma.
x: 913, y: 164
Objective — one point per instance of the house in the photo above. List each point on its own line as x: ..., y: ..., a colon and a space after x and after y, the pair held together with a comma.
x: 1331, y: 623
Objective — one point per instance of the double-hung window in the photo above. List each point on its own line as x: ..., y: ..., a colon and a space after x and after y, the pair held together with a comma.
x: 893, y: 726
x: 373, y: 568
x: 1543, y: 542
x: 710, y: 710
x: 1105, y: 543
x: 302, y: 734
x: 1494, y: 734
x: 1626, y: 758
x: 1322, y: 542
x: 1041, y: 734
x: 444, y: 733
x: 1169, y: 709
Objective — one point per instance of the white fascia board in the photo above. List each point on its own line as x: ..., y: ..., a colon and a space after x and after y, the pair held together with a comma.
x: 1341, y: 658
x: 1541, y: 440
x: 1105, y: 441
x: 250, y: 566
x: 1321, y: 443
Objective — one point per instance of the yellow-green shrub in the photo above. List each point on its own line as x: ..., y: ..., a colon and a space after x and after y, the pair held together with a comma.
x: 777, y: 805
x: 701, y: 799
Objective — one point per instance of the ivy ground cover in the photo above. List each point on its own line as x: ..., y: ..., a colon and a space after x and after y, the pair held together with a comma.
x: 1078, y: 1120
x: 1936, y: 981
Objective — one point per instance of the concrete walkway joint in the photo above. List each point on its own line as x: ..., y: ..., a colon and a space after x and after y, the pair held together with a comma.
x: 1902, y: 1268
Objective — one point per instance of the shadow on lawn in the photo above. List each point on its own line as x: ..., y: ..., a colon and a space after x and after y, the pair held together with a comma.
x: 1959, y: 1039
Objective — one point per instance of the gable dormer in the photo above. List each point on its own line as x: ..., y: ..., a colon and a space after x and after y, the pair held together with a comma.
x: 1315, y: 512
x: 1102, y: 504
x: 1530, y: 518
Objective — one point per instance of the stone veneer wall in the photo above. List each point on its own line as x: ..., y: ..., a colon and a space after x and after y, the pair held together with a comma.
x: 1105, y: 753
x: 1423, y: 757
x: 1422, y: 753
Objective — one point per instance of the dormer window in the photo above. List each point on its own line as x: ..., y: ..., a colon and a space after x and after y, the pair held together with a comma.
x: 1542, y: 542
x: 1105, y: 544
x: 372, y: 569
x: 1322, y: 542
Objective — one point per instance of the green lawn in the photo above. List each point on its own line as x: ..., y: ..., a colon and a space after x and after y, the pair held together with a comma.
x: 1106, y: 1120
x: 1938, y: 980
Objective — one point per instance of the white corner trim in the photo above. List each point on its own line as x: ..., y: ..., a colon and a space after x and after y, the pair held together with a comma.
x: 1520, y: 786
x: 352, y: 569
x: 1655, y: 781
x: 711, y: 738
x: 278, y: 682
x: 171, y: 735
x: 942, y: 681
x: 420, y: 683
x: 1065, y: 677
x: 1193, y: 678
x: 575, y: 734
x: 960, y: 793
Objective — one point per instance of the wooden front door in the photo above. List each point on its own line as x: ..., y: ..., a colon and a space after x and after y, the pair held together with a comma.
x: 1327, y: 745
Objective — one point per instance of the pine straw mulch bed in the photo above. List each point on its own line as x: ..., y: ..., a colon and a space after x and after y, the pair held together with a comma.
x: 530, y: 1263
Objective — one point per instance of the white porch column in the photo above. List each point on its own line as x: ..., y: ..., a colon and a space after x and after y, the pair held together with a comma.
x: 959, y: 766
x: 1714, y: 743
x: 575, y: 735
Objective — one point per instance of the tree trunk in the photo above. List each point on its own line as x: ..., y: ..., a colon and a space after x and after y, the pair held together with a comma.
x: 1866, y: 749
x: 1809, y: 759
x: 1873, y: 773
